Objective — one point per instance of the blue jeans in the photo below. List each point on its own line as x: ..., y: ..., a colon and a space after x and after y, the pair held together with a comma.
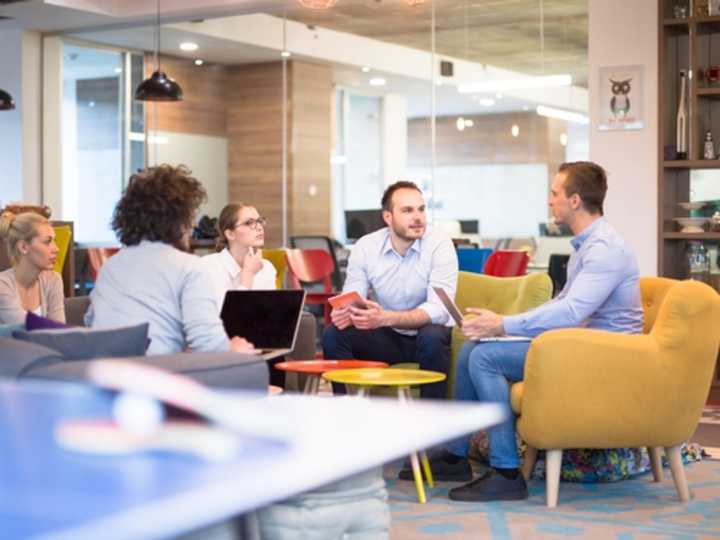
x: 483, y: 372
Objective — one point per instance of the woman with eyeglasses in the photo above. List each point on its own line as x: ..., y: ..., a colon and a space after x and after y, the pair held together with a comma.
x: 238, y: 264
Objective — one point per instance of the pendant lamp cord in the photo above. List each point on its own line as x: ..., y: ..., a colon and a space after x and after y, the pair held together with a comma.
x: 157, y: 36
x: 542, y: 36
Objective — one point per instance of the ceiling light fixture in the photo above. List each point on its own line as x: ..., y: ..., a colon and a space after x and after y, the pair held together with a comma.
x: 318, y: 4
x: 159, y: 87
x: 199, y: 62
x: 377, y: 81
x: 189, y: 46
x: 518, y: 83
x: 285, y: 54
x: 365, y: 69
x: 562, y: 114
x: 7, y: 103
x: 515, y: 130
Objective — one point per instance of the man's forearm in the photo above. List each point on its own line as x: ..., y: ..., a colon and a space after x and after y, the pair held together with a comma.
x: 414, y: 318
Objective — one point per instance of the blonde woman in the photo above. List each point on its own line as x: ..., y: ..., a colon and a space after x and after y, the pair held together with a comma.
x: 30, y: 284
x: 238, y: 264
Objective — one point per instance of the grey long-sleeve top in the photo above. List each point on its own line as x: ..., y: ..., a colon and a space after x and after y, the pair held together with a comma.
x: 156, y: 283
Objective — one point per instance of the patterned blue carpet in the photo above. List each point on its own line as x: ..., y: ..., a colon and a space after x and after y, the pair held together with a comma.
x: 629, y: 510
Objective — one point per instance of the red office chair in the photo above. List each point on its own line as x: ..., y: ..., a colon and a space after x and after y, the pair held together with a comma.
x: 312, y: 266
x: 504, y: 263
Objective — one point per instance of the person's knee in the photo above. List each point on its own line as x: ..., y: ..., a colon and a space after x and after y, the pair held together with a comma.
x: 483, y: 358
x: 433, y: 336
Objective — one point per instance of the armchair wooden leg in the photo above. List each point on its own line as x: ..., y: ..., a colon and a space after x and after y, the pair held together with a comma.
x: 678, y: 472
x: 529, y: 461
x: 656, y: 463
x: 553, y: 462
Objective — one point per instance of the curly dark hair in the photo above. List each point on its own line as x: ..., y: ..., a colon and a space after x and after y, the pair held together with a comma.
x: 159, y: 204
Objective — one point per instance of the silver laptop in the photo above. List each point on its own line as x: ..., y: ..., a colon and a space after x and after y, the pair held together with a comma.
x: 269, y: 319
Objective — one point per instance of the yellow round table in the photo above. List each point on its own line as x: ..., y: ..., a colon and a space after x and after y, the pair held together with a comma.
x: 363, y: 379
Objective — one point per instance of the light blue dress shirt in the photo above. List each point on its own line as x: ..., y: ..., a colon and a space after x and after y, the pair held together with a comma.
x: 404, y: 283
x: 602, y: 289
x: 171, y: 290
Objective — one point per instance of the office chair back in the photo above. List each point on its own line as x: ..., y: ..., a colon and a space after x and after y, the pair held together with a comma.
x: 320, y: 242
x: 506, y: 263
x: 310, y: 266
x: 473, y: 259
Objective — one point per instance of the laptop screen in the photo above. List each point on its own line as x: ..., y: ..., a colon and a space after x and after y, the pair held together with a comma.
x: 268, y: 319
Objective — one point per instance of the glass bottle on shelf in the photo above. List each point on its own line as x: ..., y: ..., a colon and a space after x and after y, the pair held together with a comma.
x: 709, y: 148
x: 681, y: 146
x: 698, y: 261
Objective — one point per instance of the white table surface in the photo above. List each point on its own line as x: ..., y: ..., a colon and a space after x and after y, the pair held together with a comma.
x: 49, y: 492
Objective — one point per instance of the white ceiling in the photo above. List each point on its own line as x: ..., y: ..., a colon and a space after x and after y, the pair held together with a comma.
x: 115, y: 24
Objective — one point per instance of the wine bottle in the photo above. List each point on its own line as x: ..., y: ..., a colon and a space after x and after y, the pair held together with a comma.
x: 682, y: 118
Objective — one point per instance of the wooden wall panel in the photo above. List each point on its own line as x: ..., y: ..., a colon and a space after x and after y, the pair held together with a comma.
x: 310, y: 146
x: 254, y: 131
x: 202, y: 111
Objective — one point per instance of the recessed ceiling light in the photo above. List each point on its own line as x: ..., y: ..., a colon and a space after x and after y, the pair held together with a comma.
x: 378, y: 81
x: 486, y: 102
x: 515, y: 130
x: 189, y: 46
x: 365, y: 69
x: 199, y: 62
x: 285, y: 54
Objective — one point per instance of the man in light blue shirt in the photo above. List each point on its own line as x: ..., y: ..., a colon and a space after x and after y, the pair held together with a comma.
x: 400, y: 264
x: 602, y: 292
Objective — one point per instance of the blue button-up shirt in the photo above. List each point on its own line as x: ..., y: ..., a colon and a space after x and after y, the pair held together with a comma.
x: 602, y: 289
x: 404, y: 283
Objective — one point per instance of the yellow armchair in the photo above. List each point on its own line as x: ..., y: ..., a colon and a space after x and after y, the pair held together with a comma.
x: 594, y: 389
x: 506, y: 296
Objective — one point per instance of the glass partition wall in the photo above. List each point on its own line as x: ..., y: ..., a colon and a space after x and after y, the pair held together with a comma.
x: 310, y: 114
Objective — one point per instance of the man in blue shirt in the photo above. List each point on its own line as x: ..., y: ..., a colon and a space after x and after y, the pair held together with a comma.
x: 602, y: 292
x: 401, y: 264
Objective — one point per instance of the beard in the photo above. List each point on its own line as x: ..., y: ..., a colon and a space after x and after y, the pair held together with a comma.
x: 407, y: 234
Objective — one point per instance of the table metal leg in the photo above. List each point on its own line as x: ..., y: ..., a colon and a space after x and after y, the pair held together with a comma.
x: 404, y: 397
x: 312, y: 384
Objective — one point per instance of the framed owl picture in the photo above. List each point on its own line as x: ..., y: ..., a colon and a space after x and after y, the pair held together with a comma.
x: 621, y: 98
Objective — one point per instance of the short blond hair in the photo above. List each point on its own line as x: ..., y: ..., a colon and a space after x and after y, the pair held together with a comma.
x: 17, y: 227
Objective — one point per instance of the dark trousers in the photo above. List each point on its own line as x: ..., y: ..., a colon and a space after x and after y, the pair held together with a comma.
x: 430, y: 348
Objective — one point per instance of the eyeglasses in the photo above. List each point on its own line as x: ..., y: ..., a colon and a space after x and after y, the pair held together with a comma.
x: 253, y: 223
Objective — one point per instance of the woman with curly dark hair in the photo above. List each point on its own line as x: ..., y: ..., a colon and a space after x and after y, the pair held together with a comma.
x: 153, y: 279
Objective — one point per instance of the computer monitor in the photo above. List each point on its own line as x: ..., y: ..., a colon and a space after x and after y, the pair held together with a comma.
x: 469, y: 226
x: 358, y: 223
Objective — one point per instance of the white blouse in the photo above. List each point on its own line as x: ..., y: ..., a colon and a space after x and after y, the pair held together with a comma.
x: 226, y: 275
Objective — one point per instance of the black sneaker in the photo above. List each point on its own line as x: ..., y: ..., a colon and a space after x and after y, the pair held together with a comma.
x: 442, y: 467
x: 491, y: 487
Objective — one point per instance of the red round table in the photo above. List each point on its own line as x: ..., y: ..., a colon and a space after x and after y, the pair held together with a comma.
x: 315, y: 368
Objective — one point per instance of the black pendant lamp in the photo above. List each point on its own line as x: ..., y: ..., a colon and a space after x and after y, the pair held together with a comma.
x: 7, y: 103
x: 159, y: 87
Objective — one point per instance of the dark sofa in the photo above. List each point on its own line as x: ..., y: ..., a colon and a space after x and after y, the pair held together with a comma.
x: 23, y: 360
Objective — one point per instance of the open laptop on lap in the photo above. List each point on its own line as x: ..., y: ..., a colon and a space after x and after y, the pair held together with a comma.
x: 269, y: 319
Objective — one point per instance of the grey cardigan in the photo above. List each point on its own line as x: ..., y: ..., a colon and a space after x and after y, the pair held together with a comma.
x: 51, y: 297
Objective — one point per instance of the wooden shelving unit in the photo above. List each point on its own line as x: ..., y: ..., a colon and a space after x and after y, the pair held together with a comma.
x: 689, y: 44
